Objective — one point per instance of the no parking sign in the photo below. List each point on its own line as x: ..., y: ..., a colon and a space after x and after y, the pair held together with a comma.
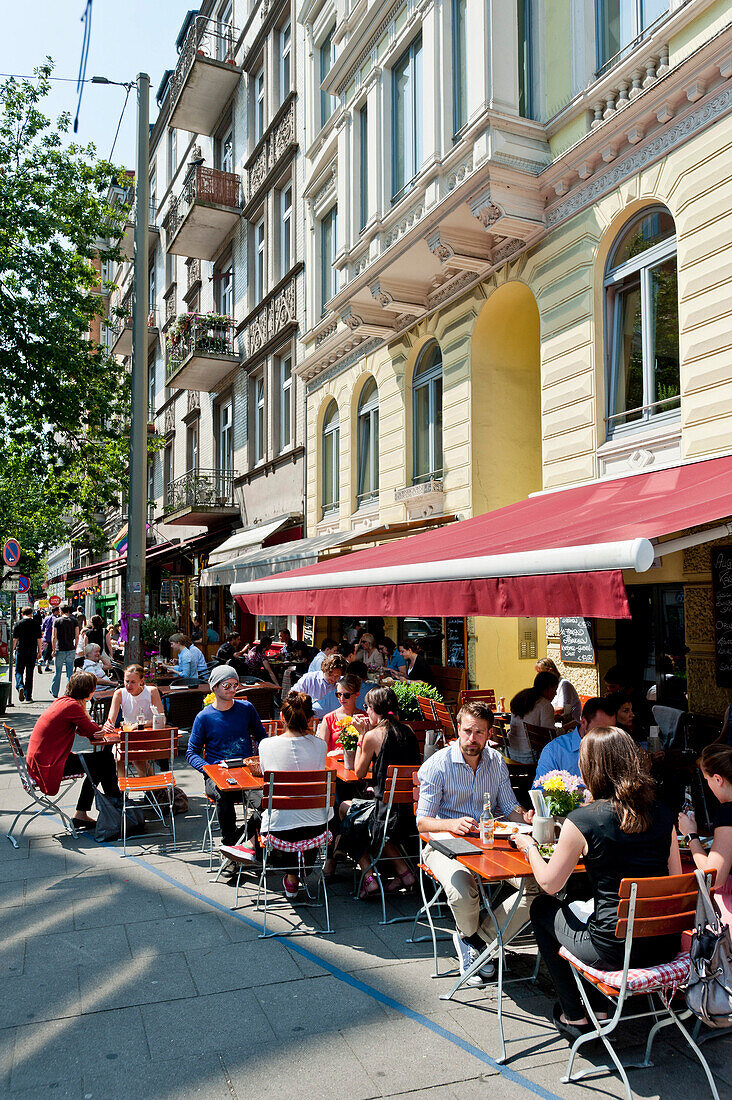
x: 11, y: 552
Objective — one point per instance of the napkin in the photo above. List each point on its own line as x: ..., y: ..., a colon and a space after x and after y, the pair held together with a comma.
x: 539, y: 802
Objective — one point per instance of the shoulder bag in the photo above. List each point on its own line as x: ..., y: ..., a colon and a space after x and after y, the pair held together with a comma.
x: 709, y: 989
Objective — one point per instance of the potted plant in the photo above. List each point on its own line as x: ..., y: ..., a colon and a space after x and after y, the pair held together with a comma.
x: 407, y: 691
x: 563, y: 792
x: 348, y: 737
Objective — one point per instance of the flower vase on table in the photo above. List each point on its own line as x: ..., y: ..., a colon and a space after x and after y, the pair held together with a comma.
x: 348, y: 737
x: 563, y: 792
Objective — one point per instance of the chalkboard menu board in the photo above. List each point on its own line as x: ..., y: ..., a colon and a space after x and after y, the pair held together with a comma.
x: 575, y: 641
x: 722, y: 597
x: 455, y: 643
x: 307, y: 629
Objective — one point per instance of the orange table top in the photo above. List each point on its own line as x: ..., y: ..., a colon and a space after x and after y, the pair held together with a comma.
x: 497, y: 863
x: 245, y: 781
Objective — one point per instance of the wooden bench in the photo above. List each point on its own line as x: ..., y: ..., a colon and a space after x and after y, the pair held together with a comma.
x: 449, y: 682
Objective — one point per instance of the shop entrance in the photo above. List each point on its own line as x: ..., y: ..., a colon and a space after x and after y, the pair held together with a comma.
x: 651, y: 644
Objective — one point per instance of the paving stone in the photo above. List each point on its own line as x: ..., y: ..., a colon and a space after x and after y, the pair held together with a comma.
x: 221, y: 1021
x: 147, y: 979
x: 33, y: 997
x: 117, y: 908
x: 100, y: 947
x: 12, y: 895
x: 315, y: 1005
x: 242, y: 965
x: 202, y: 1076
x: 46, y: 864
x: 292, y: 1070
x: 203, y: 930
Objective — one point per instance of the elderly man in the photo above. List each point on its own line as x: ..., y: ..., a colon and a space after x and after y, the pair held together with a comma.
x: 226, y: 728
x: 93, y: 663
x: 453, y: 786
x: 562, y: 753
x: 318, y: 684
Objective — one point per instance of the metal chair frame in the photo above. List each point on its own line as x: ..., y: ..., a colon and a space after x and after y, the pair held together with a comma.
x: 397, y: 776
x: 158, y: 748
x: 641, y: 901
x: 45, y: 803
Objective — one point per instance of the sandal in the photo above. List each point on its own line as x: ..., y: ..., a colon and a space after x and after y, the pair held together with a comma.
x: 369, y: 887
x: 405, y: 881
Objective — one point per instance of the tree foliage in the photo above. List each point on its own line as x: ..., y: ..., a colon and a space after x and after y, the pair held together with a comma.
x: 64, y: 401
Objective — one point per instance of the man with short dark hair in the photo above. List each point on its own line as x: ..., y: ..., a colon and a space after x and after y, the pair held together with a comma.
x: 562, y: 753
x: 64, y: 639
x: 453, y: 785
x: 327, y: 647
x: 26, y: 651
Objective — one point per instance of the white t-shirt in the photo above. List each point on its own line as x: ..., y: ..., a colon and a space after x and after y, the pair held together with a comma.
x: 291, y: 754
x: 541, y: 714
x: 567, y: 697
x: 132, y: 705
x: 372, y: 659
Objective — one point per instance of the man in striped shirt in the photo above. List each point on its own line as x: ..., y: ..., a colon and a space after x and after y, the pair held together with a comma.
x: 452, y: 787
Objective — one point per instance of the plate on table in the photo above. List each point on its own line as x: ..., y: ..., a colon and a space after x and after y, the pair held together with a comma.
x: 510, y: 828
x: 546, y: 850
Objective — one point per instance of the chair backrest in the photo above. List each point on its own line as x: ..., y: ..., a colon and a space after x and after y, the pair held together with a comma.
x: 538, y: 737
x: 449, y: 681
x: 425, y: 706
x: 149, y: 744
x: 296, y: 790
x: 445, y: 718
x: 273, y: 726
x: 668, y: 720
x: 656, y: 906
x: 399, y: 786
x: 18, y: 757
x: 479, y: 695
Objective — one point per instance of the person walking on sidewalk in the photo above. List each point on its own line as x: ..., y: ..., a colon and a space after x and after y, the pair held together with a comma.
x: 65, y: 637
x: 26, y: 651
x: 47, y: 634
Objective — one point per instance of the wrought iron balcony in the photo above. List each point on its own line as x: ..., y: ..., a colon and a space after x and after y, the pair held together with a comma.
x: 205, y: 77
x: 201, y: 217
x: 200, y: 351
x: 124, y: 233
x: 120, y: 328
x: 200, y: 496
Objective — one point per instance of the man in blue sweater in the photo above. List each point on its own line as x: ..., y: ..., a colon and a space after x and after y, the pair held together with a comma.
x: 226, y: 728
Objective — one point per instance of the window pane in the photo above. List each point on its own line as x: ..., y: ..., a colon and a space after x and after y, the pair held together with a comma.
x: 364, y: 454
x: 421, y: 431
x: 642, y: 235
x: 524, y: 58
x: 459, y: 63
x: 629, y: 353
x: 653, y: 10
x: 363, y: 120
x: 665, y: 334
x: 402, y: 123
x: 437, y: 430
x: 375, y: 451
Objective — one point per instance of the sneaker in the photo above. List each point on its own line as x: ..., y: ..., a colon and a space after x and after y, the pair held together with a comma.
x: 245, y: 850
x: 21, y: 694
x: 47, y: 668
x: 290, y: 894
x: 29, y: 700
x: 466, y: 957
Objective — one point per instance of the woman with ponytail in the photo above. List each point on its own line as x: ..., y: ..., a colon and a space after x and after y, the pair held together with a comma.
x: 296, y: 749
x: 623, y: 832
x: 384, y: 741
x: 532, y: 705
x: 716, y: 767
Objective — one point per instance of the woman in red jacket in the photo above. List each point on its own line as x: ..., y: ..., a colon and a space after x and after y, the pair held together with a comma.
x: 49, y: 757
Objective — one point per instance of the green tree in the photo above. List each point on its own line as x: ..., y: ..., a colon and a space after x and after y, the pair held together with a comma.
x: 65, y: 402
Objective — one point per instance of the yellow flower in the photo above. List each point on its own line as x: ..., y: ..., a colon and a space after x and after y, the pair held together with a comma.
x: 555, y: 784
x: 209, y: 698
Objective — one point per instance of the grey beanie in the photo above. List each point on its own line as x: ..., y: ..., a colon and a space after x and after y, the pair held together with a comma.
x: 222, y: 672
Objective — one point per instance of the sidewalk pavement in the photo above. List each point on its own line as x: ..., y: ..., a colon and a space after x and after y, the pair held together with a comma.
x: 132, y: 977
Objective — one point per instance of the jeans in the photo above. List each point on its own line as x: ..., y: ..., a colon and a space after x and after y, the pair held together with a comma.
x: 25, y: 665
x: 64, y: 659
x: 225, y: 811
x: 103, y: 770
x: 555, y: 926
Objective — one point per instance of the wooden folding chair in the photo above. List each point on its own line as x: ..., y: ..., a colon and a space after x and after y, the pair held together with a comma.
x: 648, y: 907
x: 444, y: 717
x: 479, y: 695
x: 398, y: 791
x: 142, y: 746
x: 425, y: 707
x: 307, y: 790
x: 538, y: 737
x: 45, y: 803
x: 273, y: 726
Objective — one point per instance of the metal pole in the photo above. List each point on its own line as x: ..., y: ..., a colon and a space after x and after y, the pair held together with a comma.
x: 137, y: 494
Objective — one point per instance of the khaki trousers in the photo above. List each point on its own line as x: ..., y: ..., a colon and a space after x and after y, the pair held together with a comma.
x: 461, y: 891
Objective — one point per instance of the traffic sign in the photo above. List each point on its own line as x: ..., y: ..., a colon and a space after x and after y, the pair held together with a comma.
x: 10, y: 584
x: 55, y: 601
x: 11, y: 552
x: 23, y: 583
x: 43, y: 604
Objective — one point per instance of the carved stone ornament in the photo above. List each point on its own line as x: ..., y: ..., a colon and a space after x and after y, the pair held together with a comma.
x: 380, y: 295
x: 170, y: 420
x: 506, y: 250
x: 193, y: 402
x: 351, y: 319
x: 439, y: 248
x: 485, y: 210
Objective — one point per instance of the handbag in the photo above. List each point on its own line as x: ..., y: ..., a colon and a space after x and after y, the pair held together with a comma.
x: 709, y: 988
x: 109, y: 814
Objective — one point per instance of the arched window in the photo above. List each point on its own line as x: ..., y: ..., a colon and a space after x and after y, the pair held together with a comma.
x: 331, y: 458
x: 368, y: 442
x: 427, y: 414
x: 642, y: 322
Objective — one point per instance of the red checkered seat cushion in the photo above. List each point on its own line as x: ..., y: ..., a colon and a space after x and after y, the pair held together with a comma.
x: 641, y: 979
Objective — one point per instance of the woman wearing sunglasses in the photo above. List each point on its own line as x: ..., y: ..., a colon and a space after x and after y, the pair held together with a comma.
x: 347, y: 690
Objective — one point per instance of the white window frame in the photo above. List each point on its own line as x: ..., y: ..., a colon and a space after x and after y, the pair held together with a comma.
x: 363, y: 165
x: 332, y: 432
x: 192, y: 445
x: 225, y: 436
x: 285, y: 61
x: 260, y: 414
x: 225, y: 289
x: 427, y: 379
x: 368, y: 427
x: 413, y: 151
x: 641, y: 265
x: 326, y: 57
x: 286, y: 403
x: 225, y: 21
x: 285, y: 228
x: 152, y: 389
x: 172, y: 152
x: 327, y: 271
x: 459, y: 65
x: 636, y: 28
x: 226, y: 150
x: 259, y: 105
x: 260, y: 242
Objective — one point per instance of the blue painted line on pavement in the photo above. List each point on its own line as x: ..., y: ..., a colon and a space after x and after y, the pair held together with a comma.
x: 355, y: 983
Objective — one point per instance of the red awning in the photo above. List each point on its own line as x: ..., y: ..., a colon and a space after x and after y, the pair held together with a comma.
x: 79, y: 586
x: 557, y: 553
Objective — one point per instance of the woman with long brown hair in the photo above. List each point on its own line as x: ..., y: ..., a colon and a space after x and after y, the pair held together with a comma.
x: 624, y: 832
x: 716, y: 767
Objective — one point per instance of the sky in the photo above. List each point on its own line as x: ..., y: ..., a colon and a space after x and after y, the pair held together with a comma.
x: 126, y: 38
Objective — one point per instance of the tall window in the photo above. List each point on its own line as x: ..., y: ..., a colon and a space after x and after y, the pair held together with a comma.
x: 258, y: 105
x: 620, y: 22
x: 224, y: 150
x: 152, y: 195
x: 167, y: 472
x: 192, y: 446
x: 368, y: 442
x: 225, y: 436
x: 407, y: 121
x: 225, y: 21
x: 259, y: 261
x: 363, y: 143
x: 151, y: 295
x: 642, y: 322
x: 285, y: 60
x: 284, y: 365
x: 327, y: 57
x: 327, y: 256
x: 525, y: 74
x: 460, y: 63
x: 150, y: 481
x: 172, y: 152
x: 285, y: 229
x: 259, y: 433
x: 331, y: 459
x: 224, y: 288
x: 427, y: 415
x: 152, y: 389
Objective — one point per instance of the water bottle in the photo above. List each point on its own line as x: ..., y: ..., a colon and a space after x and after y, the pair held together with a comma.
x: 487, y: 824
x: 141, y: 721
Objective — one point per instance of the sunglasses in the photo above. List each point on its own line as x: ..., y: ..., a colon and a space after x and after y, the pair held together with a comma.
x: 229, y: 685
x: 345, y: 694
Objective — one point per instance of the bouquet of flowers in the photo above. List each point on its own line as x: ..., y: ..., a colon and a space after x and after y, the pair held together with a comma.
x: 563, y: 792
x: 348, y: 735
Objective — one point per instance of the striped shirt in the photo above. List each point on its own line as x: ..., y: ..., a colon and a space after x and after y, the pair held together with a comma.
x: 448, y: 787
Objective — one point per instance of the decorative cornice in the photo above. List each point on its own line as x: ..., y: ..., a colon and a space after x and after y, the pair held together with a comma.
x: 343, y: 364
x: 484, y: 209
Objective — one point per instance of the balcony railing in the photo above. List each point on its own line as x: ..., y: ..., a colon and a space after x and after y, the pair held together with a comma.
x: 120, y: 332
x: 199, y: 334
x: 209, y: 185
x: 206, y: 38
x: 201, y: 488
